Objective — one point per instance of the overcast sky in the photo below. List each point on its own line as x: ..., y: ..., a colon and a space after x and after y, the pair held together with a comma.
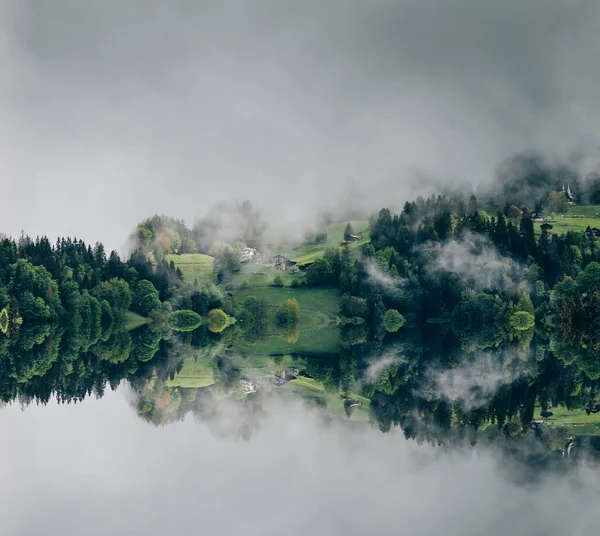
x: 111, y: 111
x: 95, y: 468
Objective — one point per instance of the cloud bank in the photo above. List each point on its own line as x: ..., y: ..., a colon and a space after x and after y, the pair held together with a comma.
x: 112, y: 112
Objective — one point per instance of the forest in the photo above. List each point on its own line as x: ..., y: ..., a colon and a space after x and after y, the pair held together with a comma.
x: 455, y: 318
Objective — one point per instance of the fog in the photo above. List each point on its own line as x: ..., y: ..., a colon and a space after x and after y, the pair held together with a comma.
x: 112, y: 111
x: 96, y: 468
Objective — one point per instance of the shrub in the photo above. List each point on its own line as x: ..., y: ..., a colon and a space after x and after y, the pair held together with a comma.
x: 217, y: 320
x: 393, y: 320
x: 522, y: 321
x: 4, y: 320
x: 145, y: 298
x: 288, y: 315
x: 184, y: 320
x: 278, y: 281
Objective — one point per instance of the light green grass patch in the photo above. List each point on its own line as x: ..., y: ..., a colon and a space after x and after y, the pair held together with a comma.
x: 134, y: 320
x: 310, y: 389
x: 194, y: 266
x: 562, y: 223
x: 195, y: 373
x: 577, y: 421
x: 255, y: 275
x: 323, y: 300
x: 335, y: 235
x: 253, y: 366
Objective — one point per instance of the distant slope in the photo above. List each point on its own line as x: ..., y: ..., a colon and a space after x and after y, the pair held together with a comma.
x: 194, y: 266
x: 575, y: 219
x: 335, y: 235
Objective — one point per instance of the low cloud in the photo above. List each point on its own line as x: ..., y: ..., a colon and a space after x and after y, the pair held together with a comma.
x: 378, y: 277
x: 112, y: 114
x: 475, y: 382
x: 476, y: 259
x: 379, y: 365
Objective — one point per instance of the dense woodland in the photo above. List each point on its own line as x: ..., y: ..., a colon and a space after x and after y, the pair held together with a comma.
x: 451, y: 287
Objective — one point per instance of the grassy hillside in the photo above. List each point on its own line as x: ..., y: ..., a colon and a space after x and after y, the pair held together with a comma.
x: 194, y: 374
x: 194, y: 266
x: 335, y: 234
x: 575, y: 219
x: 576, y: 422
x: 314, y: 391
x: 253, y: 275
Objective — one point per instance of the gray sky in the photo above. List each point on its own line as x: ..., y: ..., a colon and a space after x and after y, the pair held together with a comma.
x: 111, y: 111
x: 96, y: 468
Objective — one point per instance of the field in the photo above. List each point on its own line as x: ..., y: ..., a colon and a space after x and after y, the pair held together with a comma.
x: 335, y: 235
x: 256, y: 275
x: 133, y: 320
x: 194, y: 374
x: 311, y: 390
x: 577, y: 422
x: 319, y: 334
x: 589, y: 215
x: 194, y: 266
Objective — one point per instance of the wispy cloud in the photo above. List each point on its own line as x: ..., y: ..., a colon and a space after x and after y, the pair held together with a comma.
x: 474, y: 383
x: 476, y: 259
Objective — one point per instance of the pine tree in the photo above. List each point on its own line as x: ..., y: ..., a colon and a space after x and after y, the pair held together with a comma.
x: 348, y: 232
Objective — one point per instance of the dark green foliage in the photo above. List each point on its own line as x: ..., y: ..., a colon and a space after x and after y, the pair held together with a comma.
x: 319, y: 272
x: 253, y: 318
x: 393, y: 320
x: 353, y: 306
x: 288, y: 315
x: 184, y: 320
x: 227, y: 263
x: 145, y: 298
x: 348, y: 232
x: 116, y: 293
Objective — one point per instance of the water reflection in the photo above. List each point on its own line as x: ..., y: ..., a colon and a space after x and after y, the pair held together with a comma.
x: 94, y: 467
x: 433, y: 384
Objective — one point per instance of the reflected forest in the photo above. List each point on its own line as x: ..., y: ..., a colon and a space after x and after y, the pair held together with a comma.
x: 462, y: 318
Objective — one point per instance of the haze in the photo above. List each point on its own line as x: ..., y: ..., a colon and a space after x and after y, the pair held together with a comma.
x: 112, y: 111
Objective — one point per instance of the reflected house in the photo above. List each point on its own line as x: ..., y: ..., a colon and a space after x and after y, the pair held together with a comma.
x: 248, y: 388
x: 250, y: 254
x: 281, y: 263
x: 594, y: 231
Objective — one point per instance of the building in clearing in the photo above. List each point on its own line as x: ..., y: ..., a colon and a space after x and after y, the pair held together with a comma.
x: 354, y: 238
x: 281, y: 263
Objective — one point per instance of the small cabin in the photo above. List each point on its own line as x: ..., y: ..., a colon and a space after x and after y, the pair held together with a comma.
x: 595, y: 231
x: 353, y: 238
x: 281, y: 263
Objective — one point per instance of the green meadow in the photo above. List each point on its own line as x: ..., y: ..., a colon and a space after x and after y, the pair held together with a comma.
x: 574, y: 219
x: 305, y: 253
x: 194, y: 266
x: 319, y: 333
x: 575, y: 421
